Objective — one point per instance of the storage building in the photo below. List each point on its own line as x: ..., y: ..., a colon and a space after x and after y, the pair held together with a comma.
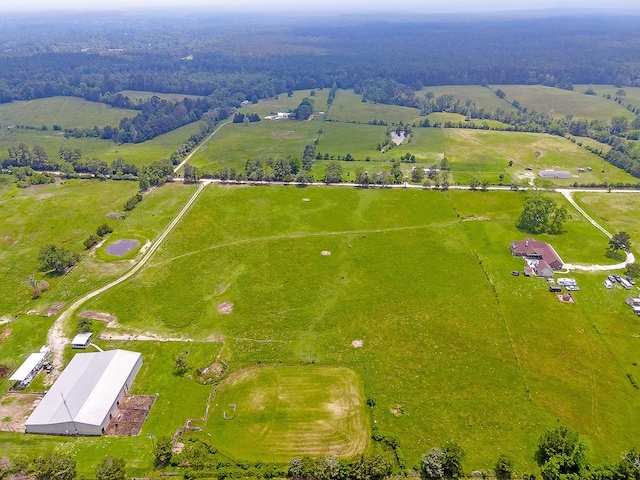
x: 86, y: 395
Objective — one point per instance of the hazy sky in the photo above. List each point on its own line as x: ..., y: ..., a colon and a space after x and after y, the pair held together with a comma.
x: 301, y: 6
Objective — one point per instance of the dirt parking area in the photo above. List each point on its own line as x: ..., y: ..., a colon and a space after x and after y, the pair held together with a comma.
x: 130, y: 416
x: 15, y: 408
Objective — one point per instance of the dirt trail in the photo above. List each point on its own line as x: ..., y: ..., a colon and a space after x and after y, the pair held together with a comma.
x: 56, y: 338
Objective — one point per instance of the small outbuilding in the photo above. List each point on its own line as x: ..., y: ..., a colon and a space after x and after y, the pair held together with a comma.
x: 554, y: 174
x: 86, y: 395
x: 82, y: 340
x: 29, y: 368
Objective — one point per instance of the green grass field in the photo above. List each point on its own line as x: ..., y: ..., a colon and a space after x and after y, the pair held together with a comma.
x: 139, y: 154
x: 481, y: 96
x: 450, y: 355
x: 284, y: 103
x: 632, y: 94
x: 559, y: 103
x: 67, y: 112
x: 348, y: 107
x: 138, y: 95
x: 285, y: 411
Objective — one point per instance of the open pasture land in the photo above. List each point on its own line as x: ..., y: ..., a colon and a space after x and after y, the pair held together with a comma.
x: 348, y: 107
x: 65, y: 215
x: 235, y: 143
x: 294, y: 410
x: 470, y: 151
x: 446, y: 354
x: 139, y: 154
x: 67, y: 112
x: 567, y: 352
x: 559, y: 103
x: 481, y: 96
x: 618, y: 211
x: 631, y: 96
x: 358, y: 140
x: 284, y: 103
x: 138, y: 95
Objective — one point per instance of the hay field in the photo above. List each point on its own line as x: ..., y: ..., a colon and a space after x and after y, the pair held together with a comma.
x: 292, y: 410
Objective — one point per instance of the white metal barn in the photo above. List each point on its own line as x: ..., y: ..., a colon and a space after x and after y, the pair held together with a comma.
x: 86, y: 395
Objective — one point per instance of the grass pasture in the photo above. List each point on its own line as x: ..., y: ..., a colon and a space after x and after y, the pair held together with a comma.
x: 286, y: 411
x: 632, y: 94
x: 138, y: 95
x: 67, y: 112
x: 284, y: 103
x: 348, y: 107
x: 477, y: 94
x: 445, y: 355
x: 559, y: 103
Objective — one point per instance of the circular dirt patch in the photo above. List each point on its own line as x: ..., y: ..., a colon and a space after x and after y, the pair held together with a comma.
x: 226, y: 307
x: 305, y: 199
x: 120, y: 247
x: 357, y: 343
x: 326, y: 253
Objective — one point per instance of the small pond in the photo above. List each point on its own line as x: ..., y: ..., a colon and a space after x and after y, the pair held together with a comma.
x: 120, y: 247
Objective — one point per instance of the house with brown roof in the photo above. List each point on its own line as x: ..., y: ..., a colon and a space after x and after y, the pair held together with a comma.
x: 541, y: 257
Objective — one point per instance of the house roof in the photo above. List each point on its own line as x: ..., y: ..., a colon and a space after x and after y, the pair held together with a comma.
x: 82, y: 338
x: 86, y: 389
x: 531, y: 248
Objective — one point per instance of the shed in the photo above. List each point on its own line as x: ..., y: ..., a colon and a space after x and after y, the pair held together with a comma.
x: 554, y: 174
x: 86, y: 395
x: 29, y: 368
x: 82, y: 340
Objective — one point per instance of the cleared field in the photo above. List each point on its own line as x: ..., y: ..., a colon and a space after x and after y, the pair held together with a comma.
x: 65, y: 215
x: 348, y: 107
x: 446, y: 354
x: 616, y: 210
x: 559, y: 103
x: 139, y: 154
x: 470, y: 151
x: 136, y: 95
x: 67, y: 112
x: 359, y: 140
x: 284, y: 103
x: 234, y: 144
x: 632, y: 94
x: 287, y: 411
x: 482, y: 96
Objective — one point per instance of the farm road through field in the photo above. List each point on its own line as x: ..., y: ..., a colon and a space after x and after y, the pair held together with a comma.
x: 56, y: 338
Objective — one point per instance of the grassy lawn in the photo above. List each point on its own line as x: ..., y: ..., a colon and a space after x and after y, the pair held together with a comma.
x: 67, y: 112
x: 559, y: 103
x: 348, y: 107
x: 285, y: 411
x: 285, y: 103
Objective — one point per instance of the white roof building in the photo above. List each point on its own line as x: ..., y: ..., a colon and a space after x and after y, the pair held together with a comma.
x: 86, y: 395
x: 29, y: 368
x: 82, y: 340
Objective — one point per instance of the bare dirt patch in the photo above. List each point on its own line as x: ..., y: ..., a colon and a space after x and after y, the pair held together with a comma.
x: 565, y: 298
x: 476, y: 218
x: 305, y: 199
x: 4, y: 334
x: 54, y: 309
x: 100, y: 316
x: 357, y: 343
x: 225, y: 307
x: 130, y: 415
x: 397, y: 410
x: 326, y: 253
x: 15, y: 408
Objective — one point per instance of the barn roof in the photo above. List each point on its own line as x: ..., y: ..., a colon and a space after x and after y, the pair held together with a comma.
x: 86, y: 389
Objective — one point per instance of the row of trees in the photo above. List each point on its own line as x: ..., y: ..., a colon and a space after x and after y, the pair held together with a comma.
x: 61, y: 466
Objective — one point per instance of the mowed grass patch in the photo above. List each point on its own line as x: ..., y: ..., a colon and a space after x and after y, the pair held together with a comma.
x: 348, y: 107
x: 67, y: 112
x: 234, y: 144
x: 618, y: 212
x: 358, y: 140
x: 570, y: 370
x: 286, y: 411
x: 401, y: 277
x: 560, y: 103
x: 139, y: 154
